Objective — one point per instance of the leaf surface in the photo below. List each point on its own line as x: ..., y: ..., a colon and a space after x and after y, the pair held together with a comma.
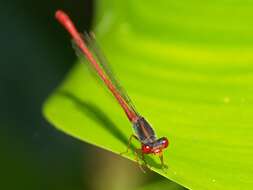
x: 188, y: 67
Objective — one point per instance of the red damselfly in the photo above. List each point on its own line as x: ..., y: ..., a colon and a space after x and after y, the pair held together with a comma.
x: 144, y: 133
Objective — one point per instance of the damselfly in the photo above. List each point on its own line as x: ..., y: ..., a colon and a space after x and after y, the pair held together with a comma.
x: 144, y: 133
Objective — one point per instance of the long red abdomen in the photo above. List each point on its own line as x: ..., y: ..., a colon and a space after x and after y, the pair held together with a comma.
x: 63, y: 18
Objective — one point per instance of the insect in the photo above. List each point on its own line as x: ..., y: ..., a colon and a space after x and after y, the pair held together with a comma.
x: 144, y: 133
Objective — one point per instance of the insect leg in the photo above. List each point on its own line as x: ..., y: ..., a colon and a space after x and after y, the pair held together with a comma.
x: 136, y: 152
x: 129, y: 143
x: 144, y: 160
x: 162, y: 162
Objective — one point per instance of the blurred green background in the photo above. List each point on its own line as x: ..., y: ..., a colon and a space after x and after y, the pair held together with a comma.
x: 35, y: 56
x: 33, y: 154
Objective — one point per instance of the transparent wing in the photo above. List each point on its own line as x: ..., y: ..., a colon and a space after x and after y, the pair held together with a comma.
x: 94, y: 47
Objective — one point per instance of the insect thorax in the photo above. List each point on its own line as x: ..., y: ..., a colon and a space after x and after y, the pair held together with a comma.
x: 144, y: 131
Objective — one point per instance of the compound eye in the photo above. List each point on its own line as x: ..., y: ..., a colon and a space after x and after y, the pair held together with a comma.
x: 146, y: 149
x: 165, y: 142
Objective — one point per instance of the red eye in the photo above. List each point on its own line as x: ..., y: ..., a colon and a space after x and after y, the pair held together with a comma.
x: 146, y: 149
x: 165, y: 142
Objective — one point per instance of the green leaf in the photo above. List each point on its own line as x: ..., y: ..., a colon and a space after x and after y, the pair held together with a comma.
x: 162, y: 184
x: 188, y: 67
